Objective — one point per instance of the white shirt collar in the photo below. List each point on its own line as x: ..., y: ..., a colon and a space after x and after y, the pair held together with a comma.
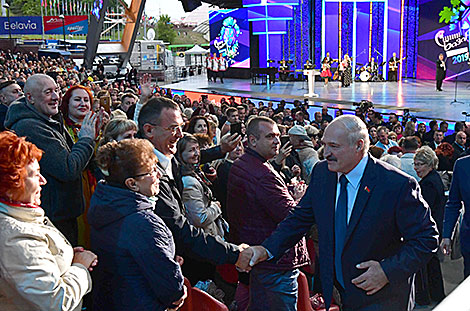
x: 355, y: 175
x: 165, y: 162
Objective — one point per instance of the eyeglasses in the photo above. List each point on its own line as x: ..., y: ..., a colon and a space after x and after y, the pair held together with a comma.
x: 153, y: 172
x: 173, y: 129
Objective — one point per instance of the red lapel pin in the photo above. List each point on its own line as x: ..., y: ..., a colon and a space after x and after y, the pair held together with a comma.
x: 367, y: 189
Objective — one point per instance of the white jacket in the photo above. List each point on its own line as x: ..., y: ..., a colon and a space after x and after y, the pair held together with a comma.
x: 36, y: 271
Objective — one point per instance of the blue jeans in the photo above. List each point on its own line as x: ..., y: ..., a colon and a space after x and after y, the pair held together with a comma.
x: 273, y: 290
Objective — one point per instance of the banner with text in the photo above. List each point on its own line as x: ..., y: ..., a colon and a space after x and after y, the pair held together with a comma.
x: 21, y: 25
x: 452, y: 40
x: 74, y: 25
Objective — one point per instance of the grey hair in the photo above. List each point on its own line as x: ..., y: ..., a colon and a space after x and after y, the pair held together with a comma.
x: 427, y: 156
x: 392, y: 160
x: 356, y: 129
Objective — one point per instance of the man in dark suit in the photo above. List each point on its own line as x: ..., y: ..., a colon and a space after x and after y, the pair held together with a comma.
x: 438, y: 137
x: 373, y: 235
x: 440, y: 72
x: 161, y: 122
x: 459, y: 126
x: 459, y: 144
x: 458, y: 193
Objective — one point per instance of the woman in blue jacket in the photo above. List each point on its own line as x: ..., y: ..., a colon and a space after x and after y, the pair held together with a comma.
x: 138, y: 270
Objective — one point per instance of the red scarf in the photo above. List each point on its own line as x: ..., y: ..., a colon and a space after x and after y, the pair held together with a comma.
x: 18, y: 204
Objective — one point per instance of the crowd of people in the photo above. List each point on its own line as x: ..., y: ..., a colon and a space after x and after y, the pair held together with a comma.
x: 124, y: 189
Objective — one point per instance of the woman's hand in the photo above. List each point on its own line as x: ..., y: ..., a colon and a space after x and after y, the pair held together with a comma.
x: 84, y: 257
x: 103, y: 119
x: 179, y: 303
x: 88, y: 128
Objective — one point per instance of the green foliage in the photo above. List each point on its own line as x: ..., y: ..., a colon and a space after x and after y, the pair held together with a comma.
x: 446, y: 15
x: 165, y: 29
x: 455, y: 3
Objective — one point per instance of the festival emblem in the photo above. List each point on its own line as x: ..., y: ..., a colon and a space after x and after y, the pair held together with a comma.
x: 227, y: 41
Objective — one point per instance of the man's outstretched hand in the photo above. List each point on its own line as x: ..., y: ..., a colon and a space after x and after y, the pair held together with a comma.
x: 250, y: 257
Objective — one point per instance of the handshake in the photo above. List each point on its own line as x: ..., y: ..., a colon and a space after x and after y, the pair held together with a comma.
x: 250, y: 256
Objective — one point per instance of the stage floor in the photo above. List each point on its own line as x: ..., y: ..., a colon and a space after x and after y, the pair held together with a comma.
x: 419, y: 96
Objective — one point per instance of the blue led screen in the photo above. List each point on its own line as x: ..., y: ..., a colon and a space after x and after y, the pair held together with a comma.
x: 230, y: 36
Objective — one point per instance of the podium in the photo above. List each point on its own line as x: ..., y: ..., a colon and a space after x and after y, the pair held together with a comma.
x: 311, y: 73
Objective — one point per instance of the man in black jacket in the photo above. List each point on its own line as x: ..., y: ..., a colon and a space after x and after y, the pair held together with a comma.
x: 9, y: 92
x: 440, y: 72
x: 160, y: 122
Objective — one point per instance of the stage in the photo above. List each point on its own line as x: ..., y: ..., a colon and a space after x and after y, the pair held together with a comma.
x: 419, y: 96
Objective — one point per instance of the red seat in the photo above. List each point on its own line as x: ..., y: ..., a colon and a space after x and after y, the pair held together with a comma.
x: 303, y: 300
x: 198, y: 300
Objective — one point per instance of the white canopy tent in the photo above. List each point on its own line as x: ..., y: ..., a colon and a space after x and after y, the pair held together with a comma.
x: 194, y: 56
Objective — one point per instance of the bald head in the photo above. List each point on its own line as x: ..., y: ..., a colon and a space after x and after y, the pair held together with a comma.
x: 34, y: 83
x: 42, y: 92
x: 346, y: 141
x: 355, y: 129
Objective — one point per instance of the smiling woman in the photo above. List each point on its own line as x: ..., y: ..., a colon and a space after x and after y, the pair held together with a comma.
x: 76, y: 103
x: 37, y: 267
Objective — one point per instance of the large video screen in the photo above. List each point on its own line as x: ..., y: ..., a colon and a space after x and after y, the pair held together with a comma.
x: 230, y: 36
x: 438, y: 37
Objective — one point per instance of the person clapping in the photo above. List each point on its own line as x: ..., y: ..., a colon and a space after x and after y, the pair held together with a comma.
x: 39, y: 269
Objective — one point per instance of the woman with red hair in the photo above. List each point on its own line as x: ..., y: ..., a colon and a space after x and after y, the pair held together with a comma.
x: 39, y: 269
x: 76, y: 103
x: 445, y: 153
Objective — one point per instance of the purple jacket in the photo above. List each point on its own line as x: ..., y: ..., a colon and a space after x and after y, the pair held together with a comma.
x: 257, y: 201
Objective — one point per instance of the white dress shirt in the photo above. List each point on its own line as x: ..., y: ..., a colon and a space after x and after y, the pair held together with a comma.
x: 165, y: 162
x: 354, y: 180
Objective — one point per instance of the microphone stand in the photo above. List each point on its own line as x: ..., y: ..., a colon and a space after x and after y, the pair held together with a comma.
x: 455, y: 101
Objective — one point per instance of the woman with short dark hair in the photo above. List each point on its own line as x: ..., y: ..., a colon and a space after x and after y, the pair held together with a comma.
x: 137, y: 252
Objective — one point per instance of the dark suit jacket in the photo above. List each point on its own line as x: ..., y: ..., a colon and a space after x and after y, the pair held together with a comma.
x: 458, y: 152
x: 390, y: 223
x: 430, y: 144
x: 433, y: 193
x: 459, y: 192
x: 450, y: 138
x: 440, y: 72
x: 189, y: 240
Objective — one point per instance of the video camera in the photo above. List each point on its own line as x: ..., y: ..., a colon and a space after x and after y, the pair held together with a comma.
x: 364, y: 106
x: 408, y: 116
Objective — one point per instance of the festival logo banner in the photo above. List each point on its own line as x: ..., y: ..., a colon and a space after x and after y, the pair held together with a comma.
x: 74, y: 25
x: 444, y: 29
x: 21, y: 25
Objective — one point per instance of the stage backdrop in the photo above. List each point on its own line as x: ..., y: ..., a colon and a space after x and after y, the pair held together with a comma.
x: 448, y: 38
x: 230, y: 36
